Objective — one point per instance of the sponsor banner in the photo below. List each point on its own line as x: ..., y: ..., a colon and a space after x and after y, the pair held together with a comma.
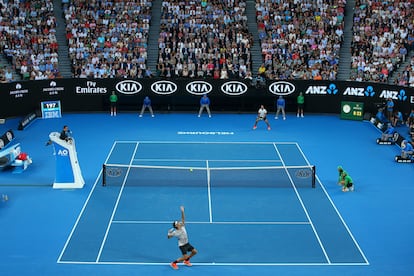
x: 27, y: 120
x: 232, y: 95
x: 51, y: 109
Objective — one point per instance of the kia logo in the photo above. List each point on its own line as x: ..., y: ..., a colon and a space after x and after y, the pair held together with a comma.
x: 281, y: 88
x: 234, y: 88
x: 128, y: 87
x: 163, y: 87
x: 198, y: 87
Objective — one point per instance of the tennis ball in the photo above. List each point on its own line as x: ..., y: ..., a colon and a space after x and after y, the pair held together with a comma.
x: 191, y: 170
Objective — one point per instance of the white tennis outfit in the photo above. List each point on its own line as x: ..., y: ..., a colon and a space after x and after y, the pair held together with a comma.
x: 181, y: 235
x: 262, y: 112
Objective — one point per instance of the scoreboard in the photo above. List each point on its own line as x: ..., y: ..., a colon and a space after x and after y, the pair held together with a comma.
x: 352, y: 111
x: 51, y: 109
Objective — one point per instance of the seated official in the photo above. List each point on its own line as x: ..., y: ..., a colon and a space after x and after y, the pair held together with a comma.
x: 381, y: 116
x: 65, y: 134
x: 388, y: 133
x: 397, y: 119
x: 407, y: 149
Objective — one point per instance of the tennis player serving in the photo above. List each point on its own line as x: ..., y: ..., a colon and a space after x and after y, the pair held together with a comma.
x: 262, y: 116
x: 180, y: 233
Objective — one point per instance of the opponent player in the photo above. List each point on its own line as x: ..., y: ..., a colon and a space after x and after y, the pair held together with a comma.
x: 262, y: 116
x: 180, y: 233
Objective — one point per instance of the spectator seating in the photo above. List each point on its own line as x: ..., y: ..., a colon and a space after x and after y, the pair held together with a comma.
x: 201, y: 38
x: 108, y: 38
x: 27, y: 37
x: 380, y: 42
x: 300, y: 39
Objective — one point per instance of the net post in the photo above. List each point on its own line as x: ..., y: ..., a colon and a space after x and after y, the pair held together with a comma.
x: 313, y: 176
x: 103, y: 175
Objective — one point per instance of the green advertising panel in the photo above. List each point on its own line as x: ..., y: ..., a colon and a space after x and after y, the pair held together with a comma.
x: 352, y: 111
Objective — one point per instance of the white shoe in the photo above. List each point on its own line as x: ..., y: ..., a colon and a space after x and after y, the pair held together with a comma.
x: 209, y: 116
x: 276, y: 118
x: 302, y: 116
x: 198, y: 116
x: 284, y: 118
x: 297, y: 115
x: 140, y: 115
x: 152, y: 116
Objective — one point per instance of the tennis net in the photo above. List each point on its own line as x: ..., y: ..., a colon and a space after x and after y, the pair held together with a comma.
x: 258, y: 176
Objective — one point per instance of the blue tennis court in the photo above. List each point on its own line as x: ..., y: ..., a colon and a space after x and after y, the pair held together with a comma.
x: 242, y: 208
x: 248, y: 211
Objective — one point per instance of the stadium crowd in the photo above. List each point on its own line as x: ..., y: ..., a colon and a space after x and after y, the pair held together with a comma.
x: 28, y: 40
x: 382, y: 36
x: 108, y: 39
x: 210, y: 39
x: 200, y: 38
x: 300, y: 39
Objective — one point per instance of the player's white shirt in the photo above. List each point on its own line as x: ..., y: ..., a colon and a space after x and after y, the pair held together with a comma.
x: 262, y: 112
x: 181, y: 235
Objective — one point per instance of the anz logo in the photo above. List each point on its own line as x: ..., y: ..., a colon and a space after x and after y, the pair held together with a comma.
x: 198, y: 87
x: 357, y: 91
x: 128, y: 87
x: 369, y: 92
x: 282, y: 88
x: 395, y: 95
x: 234, y: 88
x: 163, y: 87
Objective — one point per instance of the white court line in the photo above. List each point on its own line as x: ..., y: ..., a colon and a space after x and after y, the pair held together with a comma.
x: 78, y: 219
x: 218, y: 264
x: 304, y: 209
x: 336, y: 210
x: 216, y: 222
x: 196, y: 142
x: 116, y: 206
x: 83, y: 208
x: 210, y: 209
x: 206, y: 264
x: 211, y: 160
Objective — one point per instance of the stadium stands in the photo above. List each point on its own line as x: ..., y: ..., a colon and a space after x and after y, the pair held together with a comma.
x: 204, y: 39
x: 209, y: 39
x: 108, y: 38
x: 27, y: 37
x: 380, y: 41
x: 300, y: 39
